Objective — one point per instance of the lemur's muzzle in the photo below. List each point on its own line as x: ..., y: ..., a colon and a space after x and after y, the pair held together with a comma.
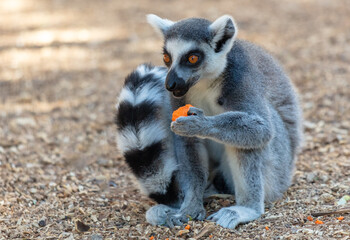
x: 175, y: 84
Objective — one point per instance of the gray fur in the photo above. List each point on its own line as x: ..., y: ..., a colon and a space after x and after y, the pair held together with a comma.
x: 192, y: 159
x: 193, y: 29
x: 245, y: 106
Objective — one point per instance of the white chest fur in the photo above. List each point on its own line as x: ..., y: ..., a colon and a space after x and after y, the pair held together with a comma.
x: 205, y: 95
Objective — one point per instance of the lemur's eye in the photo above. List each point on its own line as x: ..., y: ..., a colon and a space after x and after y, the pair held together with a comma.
x: 166, y: 58
x: 193, y: 59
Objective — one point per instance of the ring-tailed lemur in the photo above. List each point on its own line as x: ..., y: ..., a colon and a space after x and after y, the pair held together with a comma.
x: 241, y: 137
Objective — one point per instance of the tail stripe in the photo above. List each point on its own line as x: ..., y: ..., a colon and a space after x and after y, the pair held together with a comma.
x: 149, y: 92
x: 150, y: 133
x: 129, y: 115
x: 140, y: 161
x: 127, y: 139
x: 171, y: 194
x: 126, y: 95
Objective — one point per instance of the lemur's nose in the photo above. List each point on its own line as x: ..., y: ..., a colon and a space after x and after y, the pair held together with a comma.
x: 173, y: 82
x: 171, y: 87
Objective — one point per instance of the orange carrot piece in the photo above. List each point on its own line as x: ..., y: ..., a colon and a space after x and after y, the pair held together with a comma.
x: 188, y: 227
x: 267, y: 228
x: 181, y: 112
x: 340, y: 218
x: 319, y: 222
x: 310, y: 218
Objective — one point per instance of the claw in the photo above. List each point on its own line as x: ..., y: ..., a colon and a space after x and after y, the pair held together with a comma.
x: 212, y: 217
x: 178, y: 222
x: 169, y: 223
x: 200, y: 216
x: 184, y: 219
x: 173, y: 221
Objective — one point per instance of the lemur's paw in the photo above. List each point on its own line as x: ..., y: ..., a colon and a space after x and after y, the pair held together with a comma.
x: 190, y: 126
x: 157, y: 215
x: 184, y: 215
x: 230, y: 217
x: 226, y: 218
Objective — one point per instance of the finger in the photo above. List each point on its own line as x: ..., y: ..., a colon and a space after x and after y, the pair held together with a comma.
x: 169, y: 222
x: 200, y: 216
x: 178, y: 222
x: 174, y: 221
x: 180, y: 120
x: 212, y: 217
x: 184, y: 219
x: 195, y: 111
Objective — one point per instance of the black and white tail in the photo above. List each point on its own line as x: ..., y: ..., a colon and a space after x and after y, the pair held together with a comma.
x: 144, y: 138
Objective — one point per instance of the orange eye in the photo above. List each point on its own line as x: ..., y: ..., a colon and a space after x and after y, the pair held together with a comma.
x: 166, y: 58
x: 193, y: 59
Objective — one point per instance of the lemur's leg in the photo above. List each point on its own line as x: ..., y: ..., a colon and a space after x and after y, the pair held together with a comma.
x: 144, y: 138
x: 246, y: 168
x: 246, y: 136
x: 219, y: 180
x: 192, y: 176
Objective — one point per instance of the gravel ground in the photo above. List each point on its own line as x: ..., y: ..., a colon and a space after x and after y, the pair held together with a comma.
x: 62, y: 64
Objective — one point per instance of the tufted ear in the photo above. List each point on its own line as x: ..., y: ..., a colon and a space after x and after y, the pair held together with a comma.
x: 159, y: 24
x: 224, y: 31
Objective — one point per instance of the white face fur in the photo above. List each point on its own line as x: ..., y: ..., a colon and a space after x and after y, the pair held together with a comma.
x: 177, y: 48
x: 213, y: 65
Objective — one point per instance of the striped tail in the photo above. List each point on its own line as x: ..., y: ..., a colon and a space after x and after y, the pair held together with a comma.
x: 144, y: 138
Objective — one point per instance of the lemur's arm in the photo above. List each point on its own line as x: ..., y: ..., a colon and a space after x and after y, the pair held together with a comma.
x: 238, y: 128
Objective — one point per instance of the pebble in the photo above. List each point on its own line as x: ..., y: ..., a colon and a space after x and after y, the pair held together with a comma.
x: 310, y: 177
x: 327, y: 198
x: 182, y: 232
x: 33, y: 190
x: 42, y: 223
x: 26, y: 122
x: 96, y: 237
x: 81, y: 227
x: 112, y: 184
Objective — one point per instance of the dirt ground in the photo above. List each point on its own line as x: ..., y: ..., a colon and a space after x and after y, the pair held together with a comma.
x: 62, y: 64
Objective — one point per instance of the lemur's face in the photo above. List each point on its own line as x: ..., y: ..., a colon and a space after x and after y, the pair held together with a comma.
x: 194, y: 49
x: 185, y: 61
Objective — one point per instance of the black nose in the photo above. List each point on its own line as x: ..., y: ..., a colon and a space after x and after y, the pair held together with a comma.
x: 173, y: 82
x: 171, y: 86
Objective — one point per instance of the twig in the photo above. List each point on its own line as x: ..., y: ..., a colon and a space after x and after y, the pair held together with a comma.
x: 340, y: 211
x: 327, y: 223
x: 8, y: 144
x: 206, y: 230
x: 337, y: 223
x: 4, y: 219
x: 271, y: 219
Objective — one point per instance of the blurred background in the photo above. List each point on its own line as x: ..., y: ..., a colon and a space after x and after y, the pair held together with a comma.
x: 62, y: 63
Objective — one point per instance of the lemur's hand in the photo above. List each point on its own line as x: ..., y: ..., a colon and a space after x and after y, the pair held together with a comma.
x: 192, y: 125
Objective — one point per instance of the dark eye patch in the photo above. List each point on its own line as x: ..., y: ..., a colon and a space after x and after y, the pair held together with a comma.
x: 168, y: 64
x: 184, y: 59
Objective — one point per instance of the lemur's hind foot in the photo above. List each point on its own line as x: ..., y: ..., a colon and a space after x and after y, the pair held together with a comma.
x: 230, y: 217
x: 159, y: 214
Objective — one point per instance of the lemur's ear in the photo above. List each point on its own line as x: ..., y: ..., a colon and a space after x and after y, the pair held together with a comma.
x: 159, y: 24
x: 224, y: 30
